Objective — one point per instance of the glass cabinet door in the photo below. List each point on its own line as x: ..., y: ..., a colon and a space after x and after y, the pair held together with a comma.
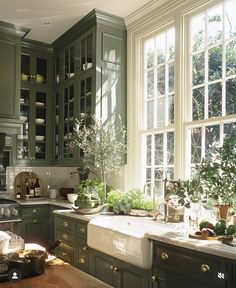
x: 86, y: 52
x: 31, y: 143
x: 86, y: 100
x: 40, y: 125
x: 69, y: 70
x: 68, y: 120
x: 23, y: 138
x: 34, y: 68
x: 57, y: 126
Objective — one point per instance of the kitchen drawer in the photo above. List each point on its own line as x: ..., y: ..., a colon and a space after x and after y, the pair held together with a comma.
x: 65, y: 224
x: 65, y: 252
x: 34, y: 211
x: 64, y: 236
x: 83, y: 258
x: 81, y: 230
x: 201, y: 264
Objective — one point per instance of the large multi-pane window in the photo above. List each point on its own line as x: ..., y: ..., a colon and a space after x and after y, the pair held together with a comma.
x: 212, y: 62
x: 205, y: 94
x: 158, y: 132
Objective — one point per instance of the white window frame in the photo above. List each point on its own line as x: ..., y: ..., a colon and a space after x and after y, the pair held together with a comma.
x: 142, y: 25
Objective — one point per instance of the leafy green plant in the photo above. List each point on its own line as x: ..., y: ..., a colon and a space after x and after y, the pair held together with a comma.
x: 103, y: 146
x: 139, y: 200
x: 218, y: 173
x: 119, y: 202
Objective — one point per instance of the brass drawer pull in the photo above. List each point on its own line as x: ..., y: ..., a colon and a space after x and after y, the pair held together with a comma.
x: 65, y: 224
x: 205, y: 268
x: 34, y: 210
x: 81, y: 260
x: 64, y: 254
x: 164, y: 256
x: 65, y: 236
x: 85, y: 248
x: 82, y: 230
x: 35, y: 221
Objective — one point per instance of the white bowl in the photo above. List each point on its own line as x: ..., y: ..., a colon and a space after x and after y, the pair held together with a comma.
x: 39, y: 120
x: 72, y: 197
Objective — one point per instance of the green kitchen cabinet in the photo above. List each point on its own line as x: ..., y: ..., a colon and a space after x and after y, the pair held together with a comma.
x: 82, y: 250
x: 90, y: 67
x: 10, y: 49
x: 34, y: 143
x: 117, y: 273
x: 35, y: 225
x: 65, y: 231
x: 51, y: 208
x: 175, y: 267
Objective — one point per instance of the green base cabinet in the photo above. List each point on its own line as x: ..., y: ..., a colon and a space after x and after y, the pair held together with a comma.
x: 177, y: 267
x: 35, y: 227
x: 117, y: 273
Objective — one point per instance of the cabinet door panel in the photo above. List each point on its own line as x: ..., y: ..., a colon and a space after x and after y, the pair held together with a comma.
x: 9, y: 79
x: 35, y: 230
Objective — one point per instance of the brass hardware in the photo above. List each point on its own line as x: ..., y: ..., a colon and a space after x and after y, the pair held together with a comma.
x: 64, y: 254
x: 154, y: 278
x: 85, y: 248
x: 65, y: 236
x: 112, y: 267
x: 81, y: 260
x: 115, y: 269
x: 34, y: 210
x: 164, y: 256
x: 205, y: 268
x: 35, y: 221
x: 82, y: 230
x: 65, y: 224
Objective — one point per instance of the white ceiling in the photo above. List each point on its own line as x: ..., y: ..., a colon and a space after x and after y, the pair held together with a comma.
x: 48, y: 19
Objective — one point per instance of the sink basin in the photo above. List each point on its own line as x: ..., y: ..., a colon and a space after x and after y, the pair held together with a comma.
x: 124, y: 238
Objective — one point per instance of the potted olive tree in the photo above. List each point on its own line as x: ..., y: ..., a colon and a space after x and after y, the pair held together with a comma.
x: 103, y: 146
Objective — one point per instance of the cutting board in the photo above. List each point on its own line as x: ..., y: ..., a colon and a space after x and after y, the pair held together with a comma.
x: 200, y: 237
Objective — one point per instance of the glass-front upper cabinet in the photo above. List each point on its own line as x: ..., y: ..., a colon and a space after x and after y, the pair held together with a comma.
x: 31, y: 143
x: 34, y: 68
x: 68, y: 120
x: 57, y: 126
x: 69, y: 61
x: 86, y: 100
x: 86, y: 51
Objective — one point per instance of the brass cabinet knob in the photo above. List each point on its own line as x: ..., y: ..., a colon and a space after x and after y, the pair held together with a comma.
x: 154, y: 278
x: 85, y: 248
x: 164, y: 256
x: 81, y: 260
x: 34, y: 210
x: 65, y: 224
x: 82, y: 230
x: 64, y: 254
x: 35, y: 221
x: 115, y: 269
x: 112, y: 267
x: 65, y: 236
x: 205, y: 268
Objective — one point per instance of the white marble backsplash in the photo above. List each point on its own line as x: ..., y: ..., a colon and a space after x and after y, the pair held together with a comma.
x: 48, y: 177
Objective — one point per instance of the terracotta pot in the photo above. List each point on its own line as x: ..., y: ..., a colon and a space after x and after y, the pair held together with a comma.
x: 222, y: 211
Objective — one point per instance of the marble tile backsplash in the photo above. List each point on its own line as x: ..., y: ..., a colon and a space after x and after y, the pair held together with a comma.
x: 48, y: 177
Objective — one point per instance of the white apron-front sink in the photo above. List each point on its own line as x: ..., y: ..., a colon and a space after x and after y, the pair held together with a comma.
x: 124, y: 238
